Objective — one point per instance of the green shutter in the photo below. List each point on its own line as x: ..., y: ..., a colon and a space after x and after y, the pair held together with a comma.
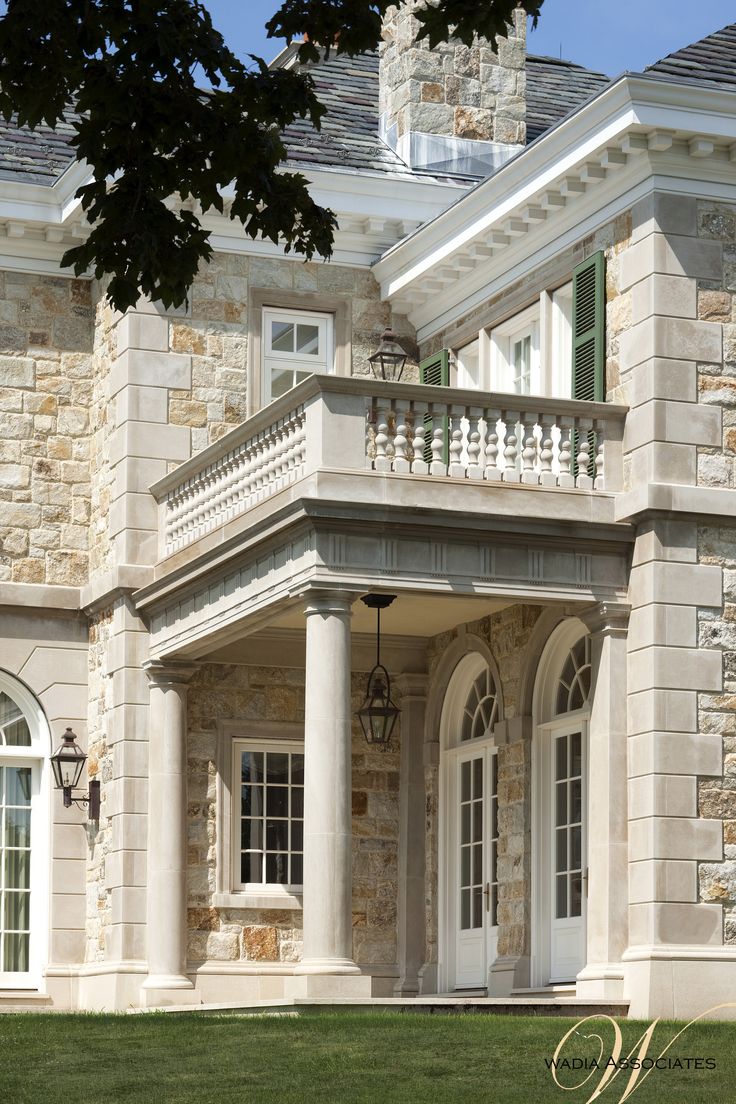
x: 435, y: 371
x: 589, y: 341
x: 589, y: 329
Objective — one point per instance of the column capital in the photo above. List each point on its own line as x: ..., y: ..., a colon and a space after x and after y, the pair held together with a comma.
x: 412, y: 685
x: 169, y: 673
x: 337, y: 602
x: 606, y: 618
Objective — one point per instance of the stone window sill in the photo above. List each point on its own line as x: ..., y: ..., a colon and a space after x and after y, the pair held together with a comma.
x: 263, y: 900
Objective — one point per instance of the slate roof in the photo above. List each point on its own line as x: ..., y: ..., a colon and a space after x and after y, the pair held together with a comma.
x: 554, y: 88
x: 712, y: 59
x: 36, y: 157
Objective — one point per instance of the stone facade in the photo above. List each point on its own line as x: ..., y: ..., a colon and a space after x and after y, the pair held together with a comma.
x: 46, y: 383
x: 452, y: 90
x: 507, y: 634
x: 224, y: 934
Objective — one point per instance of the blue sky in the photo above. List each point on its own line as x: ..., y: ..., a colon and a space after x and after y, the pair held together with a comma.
x: 608, y: 35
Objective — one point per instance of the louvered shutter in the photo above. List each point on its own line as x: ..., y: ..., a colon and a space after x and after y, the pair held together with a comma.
x: 435, y: 371
x: 589, y: 340
x: 588, y: 329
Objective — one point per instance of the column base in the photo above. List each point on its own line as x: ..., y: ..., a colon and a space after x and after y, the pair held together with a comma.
x: 507, y: 973
x: 161, y: 990
x: 601, y: 981
x: 328, y: 987
x: 327, y: 966
x: 682, y: 983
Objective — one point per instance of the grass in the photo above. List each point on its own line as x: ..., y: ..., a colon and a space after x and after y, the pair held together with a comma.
x: 355, y: 1058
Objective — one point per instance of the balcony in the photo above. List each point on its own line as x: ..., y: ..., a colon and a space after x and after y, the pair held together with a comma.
x: 445, y: 448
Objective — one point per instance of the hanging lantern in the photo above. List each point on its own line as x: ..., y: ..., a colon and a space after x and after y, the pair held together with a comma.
x: 378, y: 713
x: 389, y: 358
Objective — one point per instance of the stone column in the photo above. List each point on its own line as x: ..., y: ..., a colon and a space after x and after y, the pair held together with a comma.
x: 328, y: 929
x: 166, y: 899
x: 411, y: 925
x: 607, y: 898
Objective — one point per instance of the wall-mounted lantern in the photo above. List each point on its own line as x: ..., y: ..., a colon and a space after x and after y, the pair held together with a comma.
x: 67, y: 763
x: 378, y: 713
x: 389, y: 358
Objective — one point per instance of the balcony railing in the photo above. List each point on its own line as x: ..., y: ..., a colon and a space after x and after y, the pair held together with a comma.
x: 394, y: 428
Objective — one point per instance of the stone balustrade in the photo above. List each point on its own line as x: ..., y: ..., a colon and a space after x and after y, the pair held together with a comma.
x: 394, y: 428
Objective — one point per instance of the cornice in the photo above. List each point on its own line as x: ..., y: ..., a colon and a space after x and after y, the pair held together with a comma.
x: 558, y: 189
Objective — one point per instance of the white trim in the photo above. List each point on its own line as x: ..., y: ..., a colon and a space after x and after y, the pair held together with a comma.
x: 36, y: 757
x: 550, y: 665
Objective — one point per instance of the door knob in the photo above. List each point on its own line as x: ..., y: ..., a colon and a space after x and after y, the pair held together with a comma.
x: 487, y: 895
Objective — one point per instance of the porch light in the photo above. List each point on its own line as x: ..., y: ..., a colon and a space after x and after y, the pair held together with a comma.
x: 378, y: 713
x: 67, y: 763
x: 389, y: 358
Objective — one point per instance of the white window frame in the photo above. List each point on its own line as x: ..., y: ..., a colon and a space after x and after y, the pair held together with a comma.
x: 300, y: 362
x: 282, y: 735
x: 548, y: 323
x: 35, y: 757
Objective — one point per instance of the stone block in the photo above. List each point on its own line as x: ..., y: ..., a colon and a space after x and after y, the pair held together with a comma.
x: 672, y: 923
x: 142, y: 331
x: 675, y: 296
x: 671, y: 338
x: 166, y: 442
x: 663, y: 880
x: 675, y: 753
x: 14, y: 477
x: 676, y: 584
x: 675, y: 838
x: 674, y: 626
x: 677, y: 668
x: 672, y: 795
x: 152, y: 369
x: 671, y: 254
x: 661, y: 539
x: 141, y: 404
x: 663, y: 379
x: 676, y: 422
x: 16, y: 372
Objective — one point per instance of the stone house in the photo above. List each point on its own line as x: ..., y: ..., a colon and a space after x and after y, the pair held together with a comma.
x: 193, y: 502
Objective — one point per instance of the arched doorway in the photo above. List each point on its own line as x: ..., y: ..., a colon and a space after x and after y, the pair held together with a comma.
x: 469, y: 824
x: 24, y: 743
x: 560, y: 820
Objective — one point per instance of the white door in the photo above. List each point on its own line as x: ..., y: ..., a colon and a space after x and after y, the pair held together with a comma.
x: 568, y: 848
x: 473, y: 859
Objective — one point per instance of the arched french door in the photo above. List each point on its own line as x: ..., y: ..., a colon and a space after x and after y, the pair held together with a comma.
x: 469, y: 826
x: 24, y: 742
x: 560, y: 819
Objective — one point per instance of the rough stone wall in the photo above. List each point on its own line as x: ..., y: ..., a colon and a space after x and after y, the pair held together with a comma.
x: 507, y: 634
x: 717, y: 714
x: 227, y: 693
x: 717, y: 381
x: 452, y: 90
x: 46, y: 370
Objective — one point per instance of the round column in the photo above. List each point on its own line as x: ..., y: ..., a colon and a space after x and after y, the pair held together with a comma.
x: 328, y: 929
x: 166, y: 897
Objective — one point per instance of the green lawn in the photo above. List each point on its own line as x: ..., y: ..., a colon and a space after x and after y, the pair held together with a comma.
x: 367, y: 1058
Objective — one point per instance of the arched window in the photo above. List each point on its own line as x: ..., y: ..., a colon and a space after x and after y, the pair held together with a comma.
x: 480, y: 711
x: 23, y: 747
x: 573, y: 685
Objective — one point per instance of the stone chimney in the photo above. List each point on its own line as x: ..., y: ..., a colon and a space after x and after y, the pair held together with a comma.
x: 454, y: 109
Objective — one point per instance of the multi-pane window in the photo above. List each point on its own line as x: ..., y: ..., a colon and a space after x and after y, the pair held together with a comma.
x: 472, y: 876
x: 15, y: 868
x: 494, y: 835
x: 270, y: 827
x: 14, y: 731
x: 480, y: 712
x: 295, y: 345
x: 573, y: 686
x: 568, y: 819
